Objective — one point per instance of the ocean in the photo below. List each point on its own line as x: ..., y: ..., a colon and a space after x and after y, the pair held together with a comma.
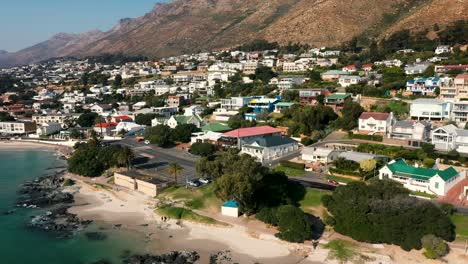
x: 22, y: 245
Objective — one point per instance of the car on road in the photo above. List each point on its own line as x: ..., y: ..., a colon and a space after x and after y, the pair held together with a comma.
x: 147, y: 142
x: 194, y: 183
x: 205, y: 180
x: 332, y: 182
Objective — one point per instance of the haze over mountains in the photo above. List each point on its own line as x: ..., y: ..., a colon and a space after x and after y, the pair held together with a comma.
x: 183, y: 26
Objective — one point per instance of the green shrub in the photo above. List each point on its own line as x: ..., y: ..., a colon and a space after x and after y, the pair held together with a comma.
x: 378, y: 138
x: 292, y: 165
x: 68, y: 182
x: 202, y: 149
x: 307, y: 141
x: 268, y: 215
x: 293, y: 224
x: 434, y: 247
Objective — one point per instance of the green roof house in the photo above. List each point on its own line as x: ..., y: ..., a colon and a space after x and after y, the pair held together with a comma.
x: 195, y: 119
x: 418, y: 179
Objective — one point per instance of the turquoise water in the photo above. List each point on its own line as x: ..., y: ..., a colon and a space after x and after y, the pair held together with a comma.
x: 21, y: 245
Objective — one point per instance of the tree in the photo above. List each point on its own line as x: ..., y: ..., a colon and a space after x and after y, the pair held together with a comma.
x: 351, y: 112
x: 145, y: 119
x: 125, y: 157
x: 434, y: 247
x: 117, y: 81
x: 75, y: 134
x: 368, y: 165
x: 202, y: 149
x: 263, y: 74
x: 183, y: 132
x: 175, y: 169
x: 4, y: 116
x: 428, y: 162
x: 382, y: 211
x: 160, y: 135
x: 293, y: 224
x: 87, y: 119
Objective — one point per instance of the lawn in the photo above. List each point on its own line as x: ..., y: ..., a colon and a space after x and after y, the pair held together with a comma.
x: 461, y: 223
x: 291, y: 172
x: 340, y: 179
x: 423, y: 194
x: 199, y: 198
x: 312, y: 198
x: 186, y: 214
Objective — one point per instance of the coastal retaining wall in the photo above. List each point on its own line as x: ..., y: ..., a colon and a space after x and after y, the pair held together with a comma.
x: 124, y: 181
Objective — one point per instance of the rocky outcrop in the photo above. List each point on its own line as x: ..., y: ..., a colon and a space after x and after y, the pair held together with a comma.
x: 175, y: 257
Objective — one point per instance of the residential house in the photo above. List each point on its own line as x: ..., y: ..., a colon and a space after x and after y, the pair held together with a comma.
x: 206, y: 137
x: 446, y: 68
x: 174, y: 101
x: 309, y: 96
x: 333, y: 75
x: 216, y: 127
x: 320, y: 155
x: 176, y: 120
x: 407, y: 130
x: 423, y: 86
x: 17, y: 127
x: 159, y: 121
x: 441, y: 49
x: 240, y: 136
x: 460, y: 112
x: 416, y: 68
x: 430, y: 109
x: 374, y: 122
x: 337, y: 100
x: 100, y: 108
x: 454, y: 88
x: 269, y: 148
x: 350, y: 68
x: 347, y: 80
x: 449, y: 137
x: 193, y: 110
x: 426, y: 180
x: 260, y: 105
x: 281, y: 106
x: 46, y: 129
x: 105, y: 129
x: 235, y: 103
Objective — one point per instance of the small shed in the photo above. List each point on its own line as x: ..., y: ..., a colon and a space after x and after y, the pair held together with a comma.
x: 230, y: 208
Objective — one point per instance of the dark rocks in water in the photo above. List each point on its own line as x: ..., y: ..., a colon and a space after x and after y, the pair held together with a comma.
x: 174, y: 257
x: 43, y: 192
x: 95, y: 236
x: 9, y: 212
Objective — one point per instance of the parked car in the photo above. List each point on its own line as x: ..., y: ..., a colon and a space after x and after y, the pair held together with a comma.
x: 205, y: 180
x: 147, y: 142
x: 332, y: 182
x: 194, y: 183
x: 307, y: 168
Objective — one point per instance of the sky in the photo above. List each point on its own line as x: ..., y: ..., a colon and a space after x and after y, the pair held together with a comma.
x: 24, y: 23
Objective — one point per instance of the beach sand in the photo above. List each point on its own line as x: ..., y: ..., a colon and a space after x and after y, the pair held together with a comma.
x: 24, y: 145
x: 135, y: 211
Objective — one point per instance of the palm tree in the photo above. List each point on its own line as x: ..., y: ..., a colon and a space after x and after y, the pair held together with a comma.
x: 175, y: 169
x: 125, y: 157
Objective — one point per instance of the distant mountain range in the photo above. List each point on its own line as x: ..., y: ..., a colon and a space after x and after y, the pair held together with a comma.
x: 182, y: 26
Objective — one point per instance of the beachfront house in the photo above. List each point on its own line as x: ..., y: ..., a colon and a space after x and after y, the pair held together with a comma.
x: 417, y: 179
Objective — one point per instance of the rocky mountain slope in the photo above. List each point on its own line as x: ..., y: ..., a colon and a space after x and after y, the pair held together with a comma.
x: 182, y: 26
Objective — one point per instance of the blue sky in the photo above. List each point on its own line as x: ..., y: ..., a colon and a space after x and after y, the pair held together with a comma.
x: 27, y: 22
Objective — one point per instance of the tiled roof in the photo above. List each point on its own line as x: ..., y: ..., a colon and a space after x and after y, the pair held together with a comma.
x: 251, y: 131
x: 375, y: 115
x: 400, y: 168
x: 104, y: 125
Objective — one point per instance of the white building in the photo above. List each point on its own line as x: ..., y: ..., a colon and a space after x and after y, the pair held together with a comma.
x: 269, y: 148
x: 449, y: 138
x: 420, y: 131
x: 50, y: 128
x: 430, y: 109
x: 443, y: 49
x: 431, y: 181
x: 373, y: 122
x: 235, y: 103
x: 321, y: 155
x: 193, y: 110
x: 17, y: 127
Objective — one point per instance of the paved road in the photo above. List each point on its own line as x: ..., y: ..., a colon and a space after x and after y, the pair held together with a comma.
x: 156, y: 159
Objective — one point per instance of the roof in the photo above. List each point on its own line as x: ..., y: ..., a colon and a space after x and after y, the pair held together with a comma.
x: 251, y: 132
x: 104, y: 125
x: 401, y: 168
x: 271, y: 141
x: 317, y: 151
x: 216, y: 127
x: 335, y: 72
x: 338, y: 96
x: 356, y: 156
x: 123, y: 117
x: 230, y: 203
x: 427, y: 101
x: 375, y: 115
x: 285, y: 104
x: 462, y: 76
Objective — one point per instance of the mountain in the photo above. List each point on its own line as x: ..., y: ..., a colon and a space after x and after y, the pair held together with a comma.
x: 182, y: 26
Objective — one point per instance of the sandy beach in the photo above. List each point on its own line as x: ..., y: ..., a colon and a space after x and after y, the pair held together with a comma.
x: 135, y: 211
x: 25, y: 145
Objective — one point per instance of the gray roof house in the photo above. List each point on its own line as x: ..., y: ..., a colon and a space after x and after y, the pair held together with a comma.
x: 269, y: 148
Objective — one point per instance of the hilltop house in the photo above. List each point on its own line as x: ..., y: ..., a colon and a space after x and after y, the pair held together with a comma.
x: 420, y: 131
x: 430, y: 109
x: 348, y: 80
x: 423, y: 86
x: 373, y: 122
x: 417, y: 179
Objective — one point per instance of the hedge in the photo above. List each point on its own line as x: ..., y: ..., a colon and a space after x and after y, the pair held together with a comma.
x: 344, y: 172
x: 292, y: 165
x: 378, y: 138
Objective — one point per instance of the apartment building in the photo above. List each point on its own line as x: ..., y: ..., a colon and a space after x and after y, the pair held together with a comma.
x: 235, y: 103
x: 17, y: 127
x: 430, y: 109
x: 51, y: 118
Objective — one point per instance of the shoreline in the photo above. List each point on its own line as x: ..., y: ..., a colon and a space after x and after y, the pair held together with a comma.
x: 134, y: 212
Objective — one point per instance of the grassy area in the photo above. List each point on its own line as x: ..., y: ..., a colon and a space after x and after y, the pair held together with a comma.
x: 312, y: 198
x: 461, y: 223
x: 423, y: 194
x: 111, y: 180
x: 102, y: 186
x: 200, y: 198
x: 186, y: 214
x: 291, y: 172
x: 342, y: 251
x: 340, y: 179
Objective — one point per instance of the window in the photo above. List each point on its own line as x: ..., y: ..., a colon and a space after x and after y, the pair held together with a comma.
x: 437, y: 185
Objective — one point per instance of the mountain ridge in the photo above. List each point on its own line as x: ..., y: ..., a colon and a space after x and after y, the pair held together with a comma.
x: 186, y: 26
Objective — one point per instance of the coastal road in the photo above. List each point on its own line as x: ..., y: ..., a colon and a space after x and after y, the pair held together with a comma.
x: 157, y: 160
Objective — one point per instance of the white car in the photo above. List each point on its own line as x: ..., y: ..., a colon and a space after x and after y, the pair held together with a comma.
x: 205, y: 180
x: 147, y: 142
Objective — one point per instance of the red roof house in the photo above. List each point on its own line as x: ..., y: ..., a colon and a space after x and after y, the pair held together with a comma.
x: 252, y: 132
x: 106, y: 125
x: 122, y: 118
